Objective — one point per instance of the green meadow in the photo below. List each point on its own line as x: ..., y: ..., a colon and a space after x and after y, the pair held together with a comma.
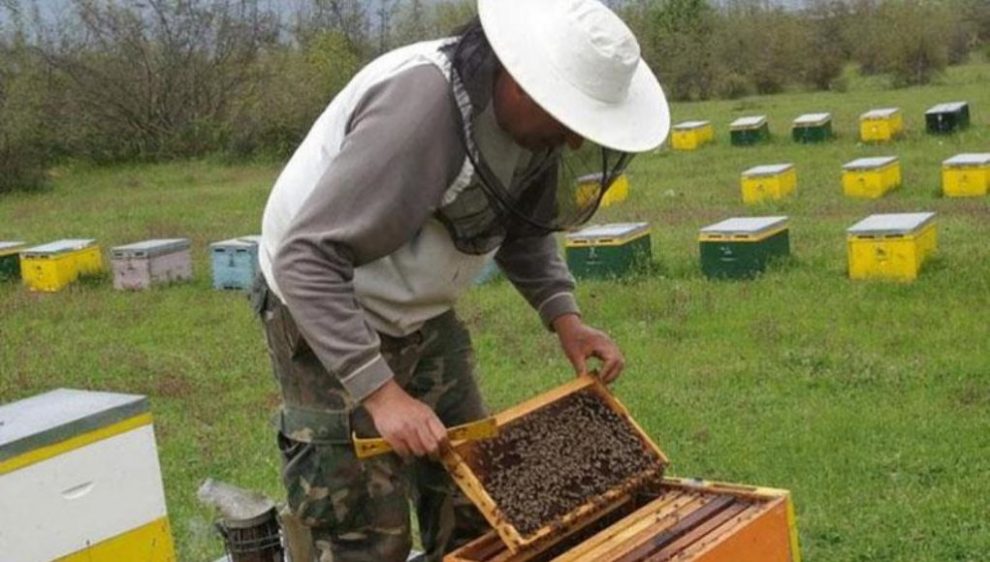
x: 870, y: 401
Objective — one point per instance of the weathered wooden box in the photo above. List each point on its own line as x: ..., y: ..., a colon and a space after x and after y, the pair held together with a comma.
x: 741, y: 247
x: 891, y: 246
x: 642, y: 517
x: 812, y: 127
x: 235, y: 262
x: 152, y: 262
x: 966, y: 175
x: 80, y: 480
x: 609, y: 250
x: 871, y: 178
x: 947, y: 117
x: 53, y: 266
x: 750, y: 130
x: 773, y: 181
x: 10, y: 261
x: 881, y: 125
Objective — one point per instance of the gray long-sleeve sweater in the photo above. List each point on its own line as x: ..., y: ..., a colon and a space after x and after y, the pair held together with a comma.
x: 349, y: 238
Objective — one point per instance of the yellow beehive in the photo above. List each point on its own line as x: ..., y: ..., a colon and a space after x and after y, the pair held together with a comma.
x: 880, y: 125
x: 774, y: 181
x: 53, y: 266
x: 588, y: 187
x: 691, y: 135
x: 966, y: 175
x: 891, y: 246
x: 871, y: 178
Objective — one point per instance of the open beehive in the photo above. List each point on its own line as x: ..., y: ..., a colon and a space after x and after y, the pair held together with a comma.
x: 559, y: 459
x: 572, y: 478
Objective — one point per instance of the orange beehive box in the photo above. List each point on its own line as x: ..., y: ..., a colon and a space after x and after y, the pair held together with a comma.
x: 643, y: 517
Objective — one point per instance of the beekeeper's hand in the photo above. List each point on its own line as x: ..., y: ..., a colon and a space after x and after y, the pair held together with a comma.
x: 408, y: 425
x: 581, y: 342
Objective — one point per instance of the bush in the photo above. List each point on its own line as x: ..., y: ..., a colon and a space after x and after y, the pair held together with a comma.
x: 23, y: 127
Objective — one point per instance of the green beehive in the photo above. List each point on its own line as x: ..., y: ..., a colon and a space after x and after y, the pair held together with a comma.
x: 947, y: 117
x: 746, y: 131
x: 10, y: 263
x: 740, y: 248
x: 812, y: 127
x: 609, y: 250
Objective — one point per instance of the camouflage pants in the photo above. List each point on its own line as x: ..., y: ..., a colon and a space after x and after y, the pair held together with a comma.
x: 359, y: 511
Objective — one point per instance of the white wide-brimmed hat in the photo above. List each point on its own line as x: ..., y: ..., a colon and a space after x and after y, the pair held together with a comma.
x: 581, y: 64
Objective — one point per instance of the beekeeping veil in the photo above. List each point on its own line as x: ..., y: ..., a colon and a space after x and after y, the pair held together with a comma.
x: 580, y: 63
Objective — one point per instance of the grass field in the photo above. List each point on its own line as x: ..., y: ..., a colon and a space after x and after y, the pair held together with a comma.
x: 870, y: 401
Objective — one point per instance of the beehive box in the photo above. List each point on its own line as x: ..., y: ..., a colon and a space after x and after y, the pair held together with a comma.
x: 640, y: 516
x: 871, y: 178
x: 947, y: 117
x: 812, y: 127
x: 773, y: 181
x: 746, y: 131
x: 235, y: 262
x: 609, y: 250
x: 10, y: 261
x: 80, y: 480
x: 966, y: 175
x: 53, y: 266
x: 152, y: 262
x: 590, y: 185
x: 741, y: 247
x: 691, y: 135
x: 891, y: 246
x: 881, y: 125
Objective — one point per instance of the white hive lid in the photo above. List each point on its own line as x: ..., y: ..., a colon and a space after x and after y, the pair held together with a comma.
x: 687, y: 125
x: 882, y: 113
x: 813, y: 119
x: 10, y: 247
x: 768, y: 170
x: 745, y: 225
x: 61, y: 414
x: 895, y: 223
x: 253, y: 239
x: 748, y: 122
x: 969, y: 159
x: 61, y: 246
x: 152, y: 247
x: 869, y: 163
x: 609, y: 231
x: 949, y: 107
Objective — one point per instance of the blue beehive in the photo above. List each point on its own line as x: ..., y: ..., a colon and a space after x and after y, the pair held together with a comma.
x: 235, y: 262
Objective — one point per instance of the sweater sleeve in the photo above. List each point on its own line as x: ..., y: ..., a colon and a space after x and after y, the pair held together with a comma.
x: 400, y: 153
x: 533, y: 263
